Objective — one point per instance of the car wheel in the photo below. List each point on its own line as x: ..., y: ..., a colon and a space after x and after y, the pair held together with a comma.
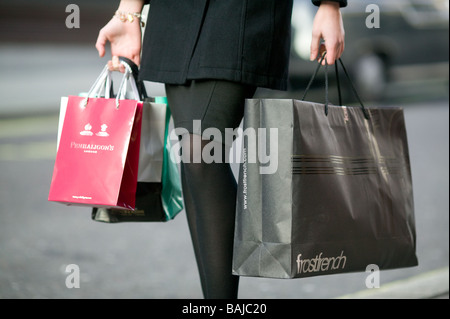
x: 370, y: 74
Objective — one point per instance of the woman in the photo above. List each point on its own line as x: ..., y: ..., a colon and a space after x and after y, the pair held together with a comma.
x: 212, y: 55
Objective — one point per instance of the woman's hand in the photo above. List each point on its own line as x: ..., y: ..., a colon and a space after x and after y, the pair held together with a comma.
x: 124, y: 36
x: 328, y: 26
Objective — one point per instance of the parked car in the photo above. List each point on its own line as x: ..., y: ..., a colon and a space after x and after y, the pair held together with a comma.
x: 410, y: 33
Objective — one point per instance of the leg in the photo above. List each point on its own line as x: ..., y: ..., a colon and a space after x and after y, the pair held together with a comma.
x: 210, y: 199
x: 209, y: 190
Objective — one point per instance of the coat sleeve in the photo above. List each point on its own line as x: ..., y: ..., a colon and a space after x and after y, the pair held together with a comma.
x: 343, y: 3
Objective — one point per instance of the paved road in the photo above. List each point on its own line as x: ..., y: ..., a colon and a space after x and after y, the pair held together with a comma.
x: 38, y: 239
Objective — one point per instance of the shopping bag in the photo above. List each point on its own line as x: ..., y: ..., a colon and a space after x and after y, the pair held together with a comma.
x: 155, y: 201
x: 151, y: 153
x: 98, y: 151
x: 323, y: 190
x: 153, y: 123
x: 158, y: 193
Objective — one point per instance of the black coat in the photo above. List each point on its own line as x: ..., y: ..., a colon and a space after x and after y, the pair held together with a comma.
x: 245, y: 41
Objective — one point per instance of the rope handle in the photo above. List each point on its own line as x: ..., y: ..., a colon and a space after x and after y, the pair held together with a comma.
x: 363, y: 108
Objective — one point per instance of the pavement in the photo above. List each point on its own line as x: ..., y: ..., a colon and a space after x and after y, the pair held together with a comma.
x: 429, y: 285
x: 32, y: 81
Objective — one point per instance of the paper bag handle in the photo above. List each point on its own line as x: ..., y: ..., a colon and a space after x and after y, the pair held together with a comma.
x: 104, y: 82
x: 135, y: 71
x: 364, y: 110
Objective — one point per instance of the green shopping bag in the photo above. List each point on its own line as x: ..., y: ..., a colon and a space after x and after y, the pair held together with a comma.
x: 171, y: 194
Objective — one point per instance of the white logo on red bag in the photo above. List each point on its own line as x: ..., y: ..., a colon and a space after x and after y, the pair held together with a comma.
x: 87, y: 130
x: 93, y: 148
x: 103, y: 132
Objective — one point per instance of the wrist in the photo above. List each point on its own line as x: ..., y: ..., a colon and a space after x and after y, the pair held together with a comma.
x: 330, y: 4
x: 129, y: 11
x: 129, y: 17
x: 134, y: 6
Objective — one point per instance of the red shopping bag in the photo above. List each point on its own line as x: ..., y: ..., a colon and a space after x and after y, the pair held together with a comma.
x: 98, y: 154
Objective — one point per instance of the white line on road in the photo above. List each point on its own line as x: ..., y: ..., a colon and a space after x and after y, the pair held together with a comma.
x: 422, y: 286
x: 24, y: 129
x: 29, y: 126
x: 28, y: 151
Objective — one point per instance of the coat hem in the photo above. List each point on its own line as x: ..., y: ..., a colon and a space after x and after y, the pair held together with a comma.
x: 249, y: 78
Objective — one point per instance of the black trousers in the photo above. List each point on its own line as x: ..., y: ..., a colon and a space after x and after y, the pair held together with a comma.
x: 209, y: 187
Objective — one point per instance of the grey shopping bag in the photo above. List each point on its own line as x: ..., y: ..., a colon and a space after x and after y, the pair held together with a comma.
x: 340, y: 199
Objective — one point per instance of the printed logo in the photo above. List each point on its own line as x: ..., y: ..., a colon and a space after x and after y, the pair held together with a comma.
x: 319, y: 263
x: 244, y: 179
x: 103, y: 132
x: 87, y: 130
x: 93, y: 148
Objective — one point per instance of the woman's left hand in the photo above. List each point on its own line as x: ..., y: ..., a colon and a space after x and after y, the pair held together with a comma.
x: 329, y: 27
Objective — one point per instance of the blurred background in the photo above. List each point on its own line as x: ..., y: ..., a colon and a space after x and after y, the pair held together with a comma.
x: 402, y: 62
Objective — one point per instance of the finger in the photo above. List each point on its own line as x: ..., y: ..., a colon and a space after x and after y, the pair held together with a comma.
x: 331, y: 54
x: 335, y: 52
x: 100, y: 44
x: 331, y: 58
x: 322, y: 51
x: 115, y: 62
x: 120, y: 68
x: 112, y: 66
x: 315, y: 43
x: 341, y: 51
x: 116, y: 65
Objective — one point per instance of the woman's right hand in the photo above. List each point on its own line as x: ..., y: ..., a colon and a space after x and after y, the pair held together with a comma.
x: 125, y: 39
